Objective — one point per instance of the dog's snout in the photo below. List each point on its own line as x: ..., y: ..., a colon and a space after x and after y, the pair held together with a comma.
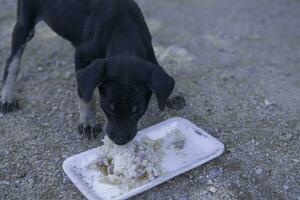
x: 120, y: 141
x: 121, y: 137
x: 119, y: 133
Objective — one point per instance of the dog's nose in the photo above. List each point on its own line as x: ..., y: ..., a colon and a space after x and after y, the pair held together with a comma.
x: 120, y: 141
x: 119, y: 138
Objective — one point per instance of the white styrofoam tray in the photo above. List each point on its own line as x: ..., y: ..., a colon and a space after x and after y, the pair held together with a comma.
x: 200, y: 147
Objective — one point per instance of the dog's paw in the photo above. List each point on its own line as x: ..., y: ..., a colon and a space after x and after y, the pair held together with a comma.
x: 89, y: 131
x: 8, y: 106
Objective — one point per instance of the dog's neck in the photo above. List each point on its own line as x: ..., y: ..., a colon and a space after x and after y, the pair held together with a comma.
x: 127, y: 44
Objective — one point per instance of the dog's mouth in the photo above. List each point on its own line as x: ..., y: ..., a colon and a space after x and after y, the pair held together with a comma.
x: 120, y: 137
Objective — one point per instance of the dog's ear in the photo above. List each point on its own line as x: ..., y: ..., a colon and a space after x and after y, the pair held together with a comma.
x: 90, y: 77
x: 161, y: 84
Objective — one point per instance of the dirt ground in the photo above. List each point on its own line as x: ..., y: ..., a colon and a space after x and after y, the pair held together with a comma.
x: 237, y: 64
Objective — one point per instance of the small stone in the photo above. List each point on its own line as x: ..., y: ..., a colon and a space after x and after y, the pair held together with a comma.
x: 214, y: 172
x: 286, y: 137
x: 65, y: 180
x: 40, y: 69
x: 258, y: 171
x: 44, y: 180
x: 68, y: 75
x: 227, y: 76
x: 267, y: 103
x: 289, y: 136
x: 22, y: 175
x: 286, y: 187
x: 245, y: 176
x: 295, y: 133
x: 4, y: 183
x: 30, y: 182
x: 283, y: 144
x: 210, y: 182
x: 212, y: 189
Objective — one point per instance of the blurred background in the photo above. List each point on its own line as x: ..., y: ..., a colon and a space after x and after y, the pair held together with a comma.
x: 237, y: 64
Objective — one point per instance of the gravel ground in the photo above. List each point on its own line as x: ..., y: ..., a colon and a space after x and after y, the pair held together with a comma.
x: 237, y: 64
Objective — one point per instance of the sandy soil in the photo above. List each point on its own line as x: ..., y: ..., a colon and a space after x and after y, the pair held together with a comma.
x: 237, y: 64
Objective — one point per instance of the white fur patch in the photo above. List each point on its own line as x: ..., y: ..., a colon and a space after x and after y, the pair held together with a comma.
x: 87, y: 112
x: 9, y: 87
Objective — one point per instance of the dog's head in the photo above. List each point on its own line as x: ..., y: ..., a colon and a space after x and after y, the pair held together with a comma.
x: 126, y: 85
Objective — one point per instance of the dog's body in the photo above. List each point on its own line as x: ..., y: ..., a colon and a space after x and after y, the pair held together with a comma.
x: 113, y: 52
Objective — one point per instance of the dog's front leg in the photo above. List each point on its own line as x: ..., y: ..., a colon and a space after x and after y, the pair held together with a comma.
x: 22, y: 33
x: 87, y: 120
x: 87, y: 110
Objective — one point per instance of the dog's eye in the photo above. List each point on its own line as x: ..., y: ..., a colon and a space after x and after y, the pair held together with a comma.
x: 134, y: 109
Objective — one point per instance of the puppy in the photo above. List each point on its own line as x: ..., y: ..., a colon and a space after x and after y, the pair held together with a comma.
x: 113, y: 52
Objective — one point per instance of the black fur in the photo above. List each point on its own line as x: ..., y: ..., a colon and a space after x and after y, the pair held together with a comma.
x: 113, y: 52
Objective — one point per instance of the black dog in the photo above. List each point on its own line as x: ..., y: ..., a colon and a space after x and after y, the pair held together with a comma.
x: 113, y: 52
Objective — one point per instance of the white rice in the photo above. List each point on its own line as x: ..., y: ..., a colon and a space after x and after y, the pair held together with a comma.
x: 130, y: 165
x: 136, y: 163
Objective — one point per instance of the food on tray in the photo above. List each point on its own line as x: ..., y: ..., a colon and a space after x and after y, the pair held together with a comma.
x: 136, y: 163
x: 130, y: 165
x: 177, y: 139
